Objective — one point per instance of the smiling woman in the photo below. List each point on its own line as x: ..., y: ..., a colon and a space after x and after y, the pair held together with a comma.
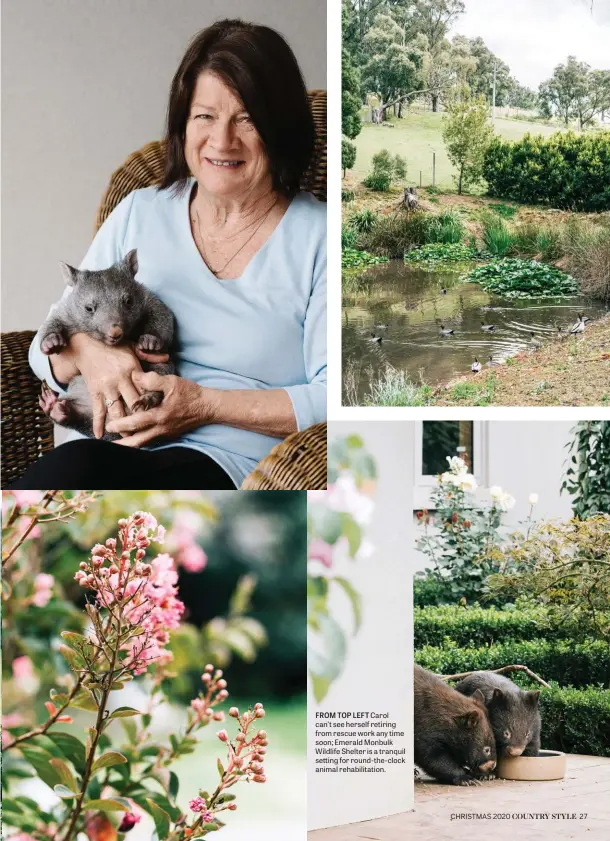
x: 238, y: 254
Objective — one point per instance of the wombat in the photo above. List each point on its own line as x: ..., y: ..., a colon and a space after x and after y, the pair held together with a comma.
x: 113, y: 307
x: 513, y: 713
x: 454, y: 741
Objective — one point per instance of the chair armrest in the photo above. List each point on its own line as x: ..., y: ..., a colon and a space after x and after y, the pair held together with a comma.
x: 296, y: 464
x: 26, y: 431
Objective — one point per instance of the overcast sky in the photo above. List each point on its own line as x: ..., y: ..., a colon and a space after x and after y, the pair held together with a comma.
x: 533, y: 36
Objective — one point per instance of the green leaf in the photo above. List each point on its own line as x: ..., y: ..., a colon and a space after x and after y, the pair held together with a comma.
x: 72, y: 657
x: 39, y: 759
x: 320, y: 686
x: 354, y: 598
x: 63, y: 791
x: 71, y: 747
x: 75, y: 641
x: 131, y: 730
x: 174, y: 785
x: 160, y: 817
x: 65, y: 774
x: 124, y: 712
x: 106, y: 760
x: 221, y: 770
x: 326, y: 650
x: 84, y: 700
x: 111, y: 805
x: 353, y: 532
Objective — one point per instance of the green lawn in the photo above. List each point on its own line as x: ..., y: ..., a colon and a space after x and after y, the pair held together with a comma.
x: 417, y: 136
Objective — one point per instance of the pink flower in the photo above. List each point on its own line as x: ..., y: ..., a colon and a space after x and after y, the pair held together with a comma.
x: 11, y: 720
x: 193, y: 558
x: 320, y: 550
x: 207, y: 816
x: 183, y: 537
x: 26, y: 498
x: 197, y: 804
x: 23, y: 668
x: 130, y: 819
x: 43, y: 585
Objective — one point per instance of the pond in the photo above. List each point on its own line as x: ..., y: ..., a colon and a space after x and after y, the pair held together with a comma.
x: 406, y: 307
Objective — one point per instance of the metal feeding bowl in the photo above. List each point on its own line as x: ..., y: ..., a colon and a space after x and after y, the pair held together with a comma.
x: 548, y: 765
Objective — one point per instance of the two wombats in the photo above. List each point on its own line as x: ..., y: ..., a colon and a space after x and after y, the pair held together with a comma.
x: 514, y: 714
x: 111, y: 306
x: 454, y: 741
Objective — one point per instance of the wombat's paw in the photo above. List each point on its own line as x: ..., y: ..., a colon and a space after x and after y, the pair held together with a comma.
x: 150, y: 343
x: 486, y: 777
x: 54, y: 408
x: 52, y: 343
x: 469, y: 782
x: 416, y: 772
x: 148, y: 400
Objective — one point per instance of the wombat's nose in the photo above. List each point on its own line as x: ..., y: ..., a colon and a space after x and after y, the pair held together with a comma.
x: 115, y: 332
x: 488, y: 766
x: 512, y: 751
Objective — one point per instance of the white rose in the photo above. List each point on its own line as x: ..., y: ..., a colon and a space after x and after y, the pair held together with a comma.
x: 533, y: 499
x: 496, y: 492
x: 468, y: 482
x: 507, y: 502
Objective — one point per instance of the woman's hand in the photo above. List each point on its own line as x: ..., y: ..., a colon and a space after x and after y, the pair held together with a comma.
x: 108, y: 374
x: 185, y: 406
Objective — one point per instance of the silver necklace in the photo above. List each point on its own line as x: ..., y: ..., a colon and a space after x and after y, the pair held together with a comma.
x: 217, y: 272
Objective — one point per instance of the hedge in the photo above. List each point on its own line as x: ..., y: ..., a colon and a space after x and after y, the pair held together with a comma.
x: 576, y: 720
x: 563, y: 170
x: 476, y: 626
x: 574, y: 664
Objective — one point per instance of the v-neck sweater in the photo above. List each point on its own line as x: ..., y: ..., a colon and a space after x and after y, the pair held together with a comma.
x: 263, y: 330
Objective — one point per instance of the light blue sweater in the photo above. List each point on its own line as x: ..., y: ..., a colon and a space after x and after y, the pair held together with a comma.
x: 264, y: 330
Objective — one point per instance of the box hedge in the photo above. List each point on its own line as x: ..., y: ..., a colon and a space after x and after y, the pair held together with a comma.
x: 574, y: 664
x: 475, y: 626
x: 576, y: 720
x: 564, y: 170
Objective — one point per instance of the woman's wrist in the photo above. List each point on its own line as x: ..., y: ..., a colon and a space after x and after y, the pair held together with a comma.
x: 268, y: 412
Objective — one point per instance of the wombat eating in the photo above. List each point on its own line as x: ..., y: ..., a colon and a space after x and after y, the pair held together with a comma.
x: 454, y: 741
x: 111, y: 306
x: 513, y: 713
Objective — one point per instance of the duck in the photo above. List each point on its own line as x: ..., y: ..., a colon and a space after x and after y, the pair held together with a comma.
x: 579, y: 327
x: 535, y: 342
x: 377, y: 340
x: 381, y: 326
x: 476, y: 366
x: 494, y: 362
x: 487, y: 327
x: 443, y: 291
x: 446, y: 331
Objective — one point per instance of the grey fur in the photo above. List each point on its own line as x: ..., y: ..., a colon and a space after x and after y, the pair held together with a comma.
x: 112, y: 306
x: 514, y: 714
x: 454, y: 741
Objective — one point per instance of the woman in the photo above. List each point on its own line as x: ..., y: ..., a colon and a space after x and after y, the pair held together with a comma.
x: 238, y: 254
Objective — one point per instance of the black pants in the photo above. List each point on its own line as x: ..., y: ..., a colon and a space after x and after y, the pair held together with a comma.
x: 102, y: 465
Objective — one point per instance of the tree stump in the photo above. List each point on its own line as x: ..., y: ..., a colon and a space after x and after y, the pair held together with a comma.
x: 410, y: 200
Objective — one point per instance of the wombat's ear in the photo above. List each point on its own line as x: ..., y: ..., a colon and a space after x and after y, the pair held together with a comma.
x: 497, y: 697
x: 468, y: 721
x: 533, y: 697
x: 131, y: 261
x: 477, y: 695
x: 69, y: 273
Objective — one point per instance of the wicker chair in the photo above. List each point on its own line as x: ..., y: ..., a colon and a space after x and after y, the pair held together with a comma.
x: 297, y: 463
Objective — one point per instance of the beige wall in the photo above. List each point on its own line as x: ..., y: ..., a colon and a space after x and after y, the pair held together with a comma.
x: 85, y: 83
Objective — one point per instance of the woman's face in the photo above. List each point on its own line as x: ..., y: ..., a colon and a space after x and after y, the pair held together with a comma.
x: 223, y: 149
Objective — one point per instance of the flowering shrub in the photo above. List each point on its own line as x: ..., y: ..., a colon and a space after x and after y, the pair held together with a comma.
x: 462, y: 538
x: 103, y: 782
x: 336, y: 521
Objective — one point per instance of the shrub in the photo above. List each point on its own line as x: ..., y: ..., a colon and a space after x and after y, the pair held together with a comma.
x: 576, y: 664
x: 445, y: 227
x: 347, y: 195
x: 351, y: 258
x: 563, y: 170
x: 587, y: 249
x: 441, y: 253
x: 363, y: 222
x: 428, y: 591
x: 506, y: 211
x: 385, y: 170
x: 348, y: 155
x: 515, y: 278
x: 396, y: 233
x: 475, y: 625
x: 348, y: 237
x: 576, y: 720
x: 588, y: 476
x: 525, y: 239
x: 379, y: 182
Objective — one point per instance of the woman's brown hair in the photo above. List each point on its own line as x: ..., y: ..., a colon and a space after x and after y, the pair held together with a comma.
x: 259, y: 66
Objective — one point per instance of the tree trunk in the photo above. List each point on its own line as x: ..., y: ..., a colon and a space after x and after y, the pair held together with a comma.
x: 435, y: 102
x: 400, y: 110
x: 460, y: 181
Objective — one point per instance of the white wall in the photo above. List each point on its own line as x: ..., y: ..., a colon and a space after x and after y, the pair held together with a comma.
x: 85, y: 83
x: 378, y: 674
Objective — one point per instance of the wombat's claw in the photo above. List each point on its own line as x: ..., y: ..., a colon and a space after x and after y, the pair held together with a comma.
x: 148, y: 400
x: 416, y: 772
x: 52, y: 343
x: 54, y: 408
x: 150, y: 343
x: 469, y: 783
x: 486, y: 777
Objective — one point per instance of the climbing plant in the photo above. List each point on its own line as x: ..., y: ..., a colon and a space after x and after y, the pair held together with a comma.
x: 588, y: 473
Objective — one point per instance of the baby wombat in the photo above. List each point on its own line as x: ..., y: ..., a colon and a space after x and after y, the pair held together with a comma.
x: 454, y: 741
x: 113, y: 307
x: 513, y: 713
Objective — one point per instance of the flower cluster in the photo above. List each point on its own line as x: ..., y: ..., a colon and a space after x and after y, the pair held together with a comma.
x: 145, y: 594
x: 458, y: 475
x: 502, y: 499
x: 216, y: 693
x: 182, y: 539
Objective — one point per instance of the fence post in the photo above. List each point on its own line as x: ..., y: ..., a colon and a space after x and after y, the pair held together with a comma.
x: 420, y: 178
x: 434, y: 169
